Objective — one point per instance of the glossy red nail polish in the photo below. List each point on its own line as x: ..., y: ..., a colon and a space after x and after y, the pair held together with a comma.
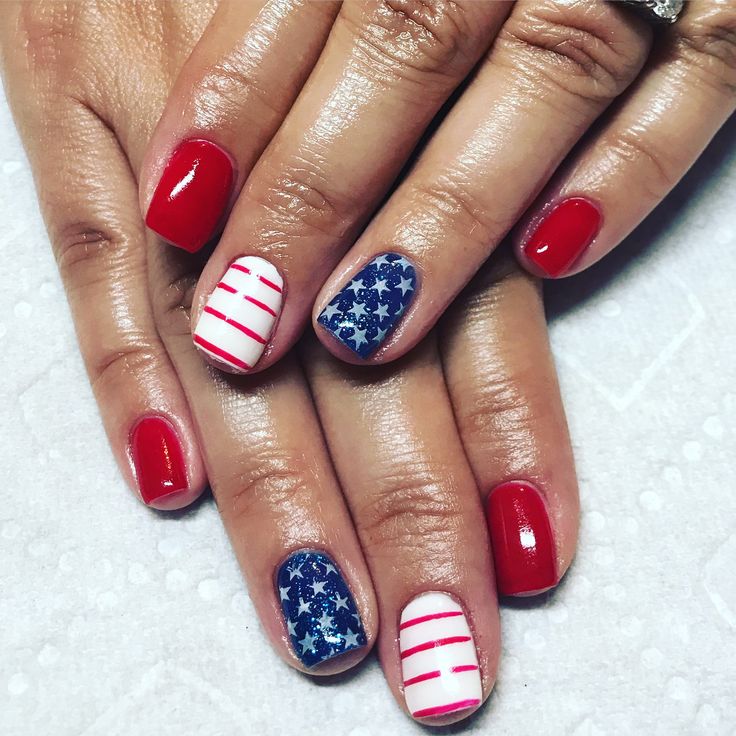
x: 522, y: 541
x: 563, y: 235
x: 158, y: 459
x: 191, y: 197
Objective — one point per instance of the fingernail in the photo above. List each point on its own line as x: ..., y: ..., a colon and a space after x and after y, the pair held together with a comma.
x: 439, y: 663
x: 563, y: 235
x: 192, y: 195
x: 370, y: 305
x: 239, y: 316
x: 521, y: 537
x: 158, y: 459
x: 321, y: 616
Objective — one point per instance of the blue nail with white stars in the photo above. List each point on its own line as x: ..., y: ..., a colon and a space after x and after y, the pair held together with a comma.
x: 320, y: 613
x: 367, y: 308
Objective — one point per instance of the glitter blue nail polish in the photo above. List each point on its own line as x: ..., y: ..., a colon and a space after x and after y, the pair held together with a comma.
x: 367, y: 308
x: 320, y: 613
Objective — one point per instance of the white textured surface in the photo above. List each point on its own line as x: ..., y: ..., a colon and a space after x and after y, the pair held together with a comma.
x: 115, y: 621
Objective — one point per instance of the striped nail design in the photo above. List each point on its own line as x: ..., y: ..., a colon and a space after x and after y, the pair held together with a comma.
x: 438, y: 658
x: 240, y: 314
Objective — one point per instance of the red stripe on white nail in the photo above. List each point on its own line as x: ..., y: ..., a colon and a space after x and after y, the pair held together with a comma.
x: 226, y: 287
x: 433, y: 645
x: 429, y: 617
x: 220, y: 353
x: 263, y: 279
x: 439, y: 662
x: 440, y: 710
x: 263, y: 306
x: 243, y: 328
x: 436, y: 673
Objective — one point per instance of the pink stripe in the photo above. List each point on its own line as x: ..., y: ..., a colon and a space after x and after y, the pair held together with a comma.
x: 245, y: 330
x: 433, y: 644
x: 442, y: 709
x: 275, y: 287
x: 428, y: 617
x: 263, y: 279
x: 226, y: 287
x: 263, y: 306
x: 220, y: 353
x: 436, y: 673
x: 465, y: 668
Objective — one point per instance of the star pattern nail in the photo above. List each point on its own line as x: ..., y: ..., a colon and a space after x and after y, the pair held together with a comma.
x: 368, y: 307
x: 321, y: 616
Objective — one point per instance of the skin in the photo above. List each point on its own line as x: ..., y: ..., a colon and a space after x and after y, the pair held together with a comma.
x: 543, y: 72
x: 406, y: 517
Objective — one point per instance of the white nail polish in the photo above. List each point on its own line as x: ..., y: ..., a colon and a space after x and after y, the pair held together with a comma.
x: 240, y: 314
x: 438, y: 659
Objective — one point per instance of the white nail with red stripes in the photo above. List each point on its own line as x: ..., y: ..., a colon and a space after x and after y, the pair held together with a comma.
x: 438, y: 659
x: 240, y: 314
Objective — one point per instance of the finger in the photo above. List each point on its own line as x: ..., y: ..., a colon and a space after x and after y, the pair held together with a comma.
x: 90, y: 207
x: 278, y: 496
x: 228, y: 100
x: 551, y: 71
x: 509, y: 414
x: 648, y: 143
x: 385, y: 71
x: 418, y: 515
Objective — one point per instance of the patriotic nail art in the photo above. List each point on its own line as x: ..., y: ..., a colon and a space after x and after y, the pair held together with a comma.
x: 370, y: 305
x: 439, y: 663
x: 321, y: 616
x: 240, y: 314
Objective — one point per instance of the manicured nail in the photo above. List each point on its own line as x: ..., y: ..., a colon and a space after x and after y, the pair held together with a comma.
x: 158, y: 459
x: 563, y: 235
x: 370, y: 305
x: 240, y: 314
x: 521, y: 536
x: 439, y: 663
x: 321, y: 616
x: 192, y: 195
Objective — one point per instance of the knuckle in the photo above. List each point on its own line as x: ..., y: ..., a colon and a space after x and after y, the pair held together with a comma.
x: 499, y: 411
x: 657, y: 172
x: 409, y: 508
x: 448, y: 200
x: 137, y: 357
x: 265, y: 479
x: 709, y: 42
x: 414, y: 38
x: 580, y: 47
x: 87, y: 255
x: 301, y: 201
x: 231, y: 86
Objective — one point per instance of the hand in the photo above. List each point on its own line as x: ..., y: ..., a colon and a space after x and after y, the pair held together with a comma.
x: 297, y: 179
x: 413, y: 474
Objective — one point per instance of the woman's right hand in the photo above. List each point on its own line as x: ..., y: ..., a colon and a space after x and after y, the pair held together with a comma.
x: 346, y: 493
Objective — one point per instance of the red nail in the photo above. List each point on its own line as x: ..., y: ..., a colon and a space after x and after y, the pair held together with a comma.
x: 158, y: 459
x: 192, y: 195
x: 521, y: 536
x: 563, y: 235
